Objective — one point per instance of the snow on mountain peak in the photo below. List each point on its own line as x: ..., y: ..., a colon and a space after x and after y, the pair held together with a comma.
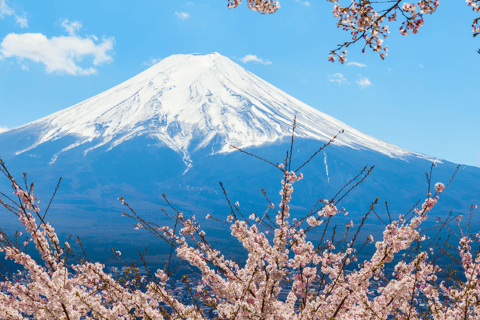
x: 187, y: 101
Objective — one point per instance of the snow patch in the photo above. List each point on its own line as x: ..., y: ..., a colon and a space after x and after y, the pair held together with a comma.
x: 326, y: 165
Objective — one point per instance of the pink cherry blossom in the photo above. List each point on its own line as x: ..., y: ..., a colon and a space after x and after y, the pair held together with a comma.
x: 366, y: 21
x: 439, y: 187
x: 249, y: 289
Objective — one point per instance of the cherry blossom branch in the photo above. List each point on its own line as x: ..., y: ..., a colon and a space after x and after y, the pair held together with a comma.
x: 368, y: 21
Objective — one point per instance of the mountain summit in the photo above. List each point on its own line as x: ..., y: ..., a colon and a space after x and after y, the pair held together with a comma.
x: 189, y: 102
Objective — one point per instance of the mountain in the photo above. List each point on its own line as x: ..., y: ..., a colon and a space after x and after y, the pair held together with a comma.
x: 169, y: 130
x: 187, y: 102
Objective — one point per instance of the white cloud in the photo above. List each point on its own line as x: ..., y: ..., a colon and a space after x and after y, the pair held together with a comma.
x: 363, y: 83
x: 182, y: 15
x: 3, y: 129
x: 357, y: 64
x: 305, y: 3
x: 254, y: 58
x: 421, y: 66
x: 338, y: 77
x: 71, y: 27
x: 59, y: 54
x: 152, y: 61
x: 21, y: 21
x: 24, y: 67
x: 7, y: 11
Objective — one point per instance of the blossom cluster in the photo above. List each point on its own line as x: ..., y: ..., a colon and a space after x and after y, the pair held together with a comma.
x: 370, y: 24
x: 367, y: 21
x: 54, y: 292
x: 475, y: 4
x: 262, y: 6
x: 321, y: 287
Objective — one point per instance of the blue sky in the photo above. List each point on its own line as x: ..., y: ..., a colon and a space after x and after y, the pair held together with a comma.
x: 422, y: 97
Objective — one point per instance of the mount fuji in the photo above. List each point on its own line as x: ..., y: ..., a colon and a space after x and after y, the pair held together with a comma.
x: 170, y: 130
x: 187, y: 102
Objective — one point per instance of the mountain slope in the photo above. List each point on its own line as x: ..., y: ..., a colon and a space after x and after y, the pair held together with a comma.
x: 187, y: 102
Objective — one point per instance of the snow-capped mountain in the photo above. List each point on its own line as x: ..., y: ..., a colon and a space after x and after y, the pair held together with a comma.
x: 187, y: 101
x: 169, y: 130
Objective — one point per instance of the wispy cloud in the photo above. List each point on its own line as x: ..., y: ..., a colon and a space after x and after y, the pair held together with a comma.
x: 357, y: 64
x: 71, y: 27
x: 3, y: 129
x: 364, y: 82
x: 59, y: 54
x: 21, y: 21
x: 254, y: 58
x: 7, y: 11
x: 152, y: 61
x: 305, y: 3
x: 421, y: 66
x: 337, y: 77
x: 182, y: 15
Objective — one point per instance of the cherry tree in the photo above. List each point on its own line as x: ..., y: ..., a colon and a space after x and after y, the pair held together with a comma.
x: 368, y: 21
x: 323, y: 281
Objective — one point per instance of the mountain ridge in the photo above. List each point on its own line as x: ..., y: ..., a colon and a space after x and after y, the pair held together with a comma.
x: 187, y: 101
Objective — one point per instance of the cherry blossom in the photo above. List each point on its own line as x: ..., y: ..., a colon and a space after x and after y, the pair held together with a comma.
x: 324, y: 284
x: 367, y: 21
